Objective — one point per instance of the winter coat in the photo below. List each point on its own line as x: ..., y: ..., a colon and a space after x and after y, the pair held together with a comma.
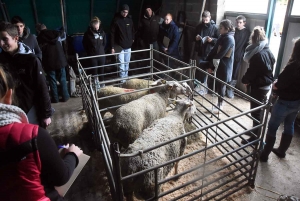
x: 30, y: 40
x: 260, y: 71
x: 211, y: 30
x: 170, y: 31
x: 149, y: 29
x: 223, y: 50
x: 53, y: 54
x: 94, y: 42
x: 31, y: 88
x: 122, y: 31
x: 288, y: 82
x: 241, y: 38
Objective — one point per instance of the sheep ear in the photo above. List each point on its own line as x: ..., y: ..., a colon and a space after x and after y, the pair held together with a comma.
x: 158, y: 82
x: 163, y: 81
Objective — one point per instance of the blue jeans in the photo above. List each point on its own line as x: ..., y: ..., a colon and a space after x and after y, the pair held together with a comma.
x: 124, y: 59
x: 283, y: 111
x: 60, y: 74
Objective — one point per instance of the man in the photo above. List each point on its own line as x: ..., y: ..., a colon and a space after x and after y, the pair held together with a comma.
x: 31, y: 88
x: 26, y: 37
x: 54, y: 61
x: 122, y: 37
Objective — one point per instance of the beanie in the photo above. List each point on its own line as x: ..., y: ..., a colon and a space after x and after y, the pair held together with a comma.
x: 147, y: 6
x: 125, y: 7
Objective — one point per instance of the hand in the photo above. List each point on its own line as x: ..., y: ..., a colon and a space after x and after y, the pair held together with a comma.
x: 46, y: 122
x: 113, y: 51
x: 198, y: 37
x: 209, y: 39
x: 274, y: 87
x: 209, y: 70
x: 216, y: 62
x: 75, y: 149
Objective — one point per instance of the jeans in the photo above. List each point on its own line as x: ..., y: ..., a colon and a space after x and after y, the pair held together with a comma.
x: 60, y: 74
x: 283, y: 111
x: 124, y: 59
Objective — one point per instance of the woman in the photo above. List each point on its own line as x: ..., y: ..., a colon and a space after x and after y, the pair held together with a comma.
x: 30, y: 165
x: 287, y: 106
x: 94, y: 41
x: 222, y: 58
x: 259, y: 74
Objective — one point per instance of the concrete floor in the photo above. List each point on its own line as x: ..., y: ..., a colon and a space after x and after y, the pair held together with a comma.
x: 69, y: 125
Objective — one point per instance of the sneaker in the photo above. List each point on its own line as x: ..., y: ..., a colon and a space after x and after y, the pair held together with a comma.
x: 200, y: 90
x: 216, y: 110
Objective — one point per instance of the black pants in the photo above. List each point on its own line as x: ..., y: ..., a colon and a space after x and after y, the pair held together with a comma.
x: 98, y: 70
x: 236, y: 67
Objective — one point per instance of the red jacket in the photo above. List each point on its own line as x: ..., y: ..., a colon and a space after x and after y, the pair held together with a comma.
x: 20, y: 165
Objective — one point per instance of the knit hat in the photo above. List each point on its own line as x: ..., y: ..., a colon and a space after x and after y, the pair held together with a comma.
x: 125, y: 7
x: 147, y: 6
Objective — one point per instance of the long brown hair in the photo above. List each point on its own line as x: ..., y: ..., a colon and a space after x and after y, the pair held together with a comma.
x: 6, y: 82
x: 295, y: 57
x: 258, y: 34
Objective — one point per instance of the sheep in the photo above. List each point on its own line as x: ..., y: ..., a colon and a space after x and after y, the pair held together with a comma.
x: 137, y: 84
x: 132, y: 118
x: 161, y: 130
x: 117, y: 100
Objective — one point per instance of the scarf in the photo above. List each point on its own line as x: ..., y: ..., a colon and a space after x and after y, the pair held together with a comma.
x: 11, y: 114
x: 253, y: 49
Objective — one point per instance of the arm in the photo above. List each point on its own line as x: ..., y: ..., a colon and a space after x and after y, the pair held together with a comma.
x: 104, y: 39
x: 174, y: 40
x: 36, y: 48
x: 55, y: 170
x: 215, y: 35
x: 285, y: 78
x: 252, y: 72
x: 224, y: 48
x: 160, y: 39
x: 112, y: 38
x: 85, y: 42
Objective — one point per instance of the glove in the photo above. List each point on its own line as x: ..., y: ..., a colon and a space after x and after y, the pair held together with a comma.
x: 216, y: 62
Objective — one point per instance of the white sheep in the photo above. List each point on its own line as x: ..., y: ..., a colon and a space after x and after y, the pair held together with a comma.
x: 137, y: 84
x: 161, y: 130
x: 132, y: 118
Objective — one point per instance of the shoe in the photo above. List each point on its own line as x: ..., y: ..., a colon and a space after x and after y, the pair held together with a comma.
x: 251, y: 139
x: 216, y: 110
x: 200, y: 90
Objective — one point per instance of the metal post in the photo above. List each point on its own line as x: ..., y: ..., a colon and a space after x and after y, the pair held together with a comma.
x: 35, y: 12
x: 63, y: 14
x: 156, y: 183
x: 6, y: 12
x: 151, y: 60
x: 92, y: 9
x: 202, y: 9
x: 3, y: 11
x: 117, y: 172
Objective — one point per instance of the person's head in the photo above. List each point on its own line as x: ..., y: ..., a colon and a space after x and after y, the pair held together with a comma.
x: 240, y: 21
x: 226, y: 26
x: 206, y: 17
x: 39, y: 27
x: 258, y: 34
x: 148, y: 11
x: 296, y: 51
x: 168, y: 18
x: 18, y: 21
x: 95, y: 23
x: 124, y: 10
x: 6, y: 87
x: 9, y: 38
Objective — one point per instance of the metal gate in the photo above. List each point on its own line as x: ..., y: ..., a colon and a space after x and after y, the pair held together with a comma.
x: 220, y: 166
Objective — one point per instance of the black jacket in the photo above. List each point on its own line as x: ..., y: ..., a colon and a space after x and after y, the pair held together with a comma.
x: 30, y: 40
x: 53, y: 54
x: 288, y: 83
x: 260, y: 71
x: 31, y: 88
x: 241, y: 38
x: 170, y: 31
x: 209, y: 29
x: 94, y: 42
x: 122, y: 31
x: 149, y: 28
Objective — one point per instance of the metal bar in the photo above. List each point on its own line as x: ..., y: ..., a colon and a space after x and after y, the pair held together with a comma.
x: 6, y: 12
x: 36, y: 19
x: 117, y: 171
x: 202, y: 10
x: 3, y: 11
x: 156, y: 183
x: 92, y: 9
x: 269, y: 21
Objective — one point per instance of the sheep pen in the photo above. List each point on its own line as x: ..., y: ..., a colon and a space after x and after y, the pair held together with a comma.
x: 214, y: 166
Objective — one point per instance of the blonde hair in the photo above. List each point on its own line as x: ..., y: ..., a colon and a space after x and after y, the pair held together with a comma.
x: 258, y: 34
x: 6, y: 82
x: 95, y: 20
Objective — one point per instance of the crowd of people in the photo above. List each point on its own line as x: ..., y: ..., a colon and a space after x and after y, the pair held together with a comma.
x: 28, y: 62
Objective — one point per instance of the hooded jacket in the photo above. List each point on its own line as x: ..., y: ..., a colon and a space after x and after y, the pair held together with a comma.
x: 170, y: 31
x: 53, y: 54
x: 30, y: 40
x: 122, y: 31
x: 149, y: 28
x: 260, y: 71
x: 210, y: 29
x: 94, y: 42
x: 31, y: 88
x: 224, y: 50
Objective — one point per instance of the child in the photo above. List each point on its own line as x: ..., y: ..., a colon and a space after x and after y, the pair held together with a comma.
x: 31, y: 89
x: 241, y: 38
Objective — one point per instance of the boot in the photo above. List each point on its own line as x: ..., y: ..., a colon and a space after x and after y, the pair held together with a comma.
x: 284, y: 145
x: 270, y: 141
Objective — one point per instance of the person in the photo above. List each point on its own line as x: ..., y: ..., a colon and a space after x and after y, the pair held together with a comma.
x: 241, y: 38
x: 94, y: 41
x: 26, y: 37
x: 54, y: 61
x: 259, y: 74
x: 148, y: 32
x: 31, y: 89
x: 207, y: 31
x: 220, y: 59
x: 122, y: 37
x: 30, y: 162
x: 286, y: 107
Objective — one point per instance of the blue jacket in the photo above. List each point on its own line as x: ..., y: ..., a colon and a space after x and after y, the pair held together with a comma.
x: 171, y: 32
x: 224, y: 50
